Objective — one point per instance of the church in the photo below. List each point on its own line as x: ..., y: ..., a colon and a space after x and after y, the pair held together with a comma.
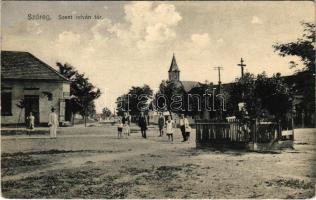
x: 187, y: 86
x: 174, y: 75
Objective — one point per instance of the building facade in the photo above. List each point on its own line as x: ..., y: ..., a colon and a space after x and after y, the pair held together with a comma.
x: 30, y: 85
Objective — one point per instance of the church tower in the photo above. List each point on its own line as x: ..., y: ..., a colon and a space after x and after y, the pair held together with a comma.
x: 174, y: 72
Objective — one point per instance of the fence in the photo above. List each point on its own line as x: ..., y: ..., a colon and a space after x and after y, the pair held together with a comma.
x: 235, y: 133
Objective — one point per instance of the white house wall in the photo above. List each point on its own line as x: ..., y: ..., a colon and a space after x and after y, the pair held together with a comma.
x: 56, y: 88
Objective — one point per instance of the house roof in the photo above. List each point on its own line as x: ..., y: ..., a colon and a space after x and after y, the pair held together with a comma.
x: 188, y: 85
x: 17, y: 65
x: 174, y: 66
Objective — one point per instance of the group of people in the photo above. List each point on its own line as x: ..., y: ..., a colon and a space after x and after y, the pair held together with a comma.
x: 168, y: 126
x: 52, y: 123
x: 124, y: 126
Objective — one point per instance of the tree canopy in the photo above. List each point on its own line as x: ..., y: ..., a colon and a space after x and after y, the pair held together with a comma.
x: 135, y: 101
x: 82, y: 91
x: 304, y: 80
x: 303, y: 47
x: 106, y: 113
x: 262, y: 96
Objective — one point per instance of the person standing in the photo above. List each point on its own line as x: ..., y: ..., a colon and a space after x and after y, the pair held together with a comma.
x: 119, y: 128
x: 183, y: 123
x: 126, y: 122
x: 187, y: 132
x: 30, y: 125
x: 169, y: 129
x: 142, y: 123
x: 161, y: 124
x: 53, y: 123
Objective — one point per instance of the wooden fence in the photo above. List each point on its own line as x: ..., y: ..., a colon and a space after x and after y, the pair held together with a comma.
x: 235, y: 133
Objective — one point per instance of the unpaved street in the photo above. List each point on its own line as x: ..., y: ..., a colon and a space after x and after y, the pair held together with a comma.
x: 92, y: 163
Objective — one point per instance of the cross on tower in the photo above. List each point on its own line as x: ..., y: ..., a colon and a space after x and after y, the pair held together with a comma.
x: 242, y: 65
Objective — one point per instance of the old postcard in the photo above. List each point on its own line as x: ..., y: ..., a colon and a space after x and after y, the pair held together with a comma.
x: 158, y: 99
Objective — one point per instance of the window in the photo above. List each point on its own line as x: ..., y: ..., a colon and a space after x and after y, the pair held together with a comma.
x: 6, y: 104
x: 66, y: 94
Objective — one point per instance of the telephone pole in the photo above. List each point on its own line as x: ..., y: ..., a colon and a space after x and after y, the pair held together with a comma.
x: 219, y: 89
x: 219, y: 76
x: 242, y: 65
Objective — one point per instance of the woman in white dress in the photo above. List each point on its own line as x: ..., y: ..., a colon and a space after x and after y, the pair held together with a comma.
x: 53, y: 123
x: 169, y: 129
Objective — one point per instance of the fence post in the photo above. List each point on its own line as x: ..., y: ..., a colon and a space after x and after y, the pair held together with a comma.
x: 280, y: 130
x: 292, y: 123
x: 196, y: 133
x: 254, y: 134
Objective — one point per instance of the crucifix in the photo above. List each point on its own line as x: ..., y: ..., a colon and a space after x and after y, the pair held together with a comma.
x: 242, y: 65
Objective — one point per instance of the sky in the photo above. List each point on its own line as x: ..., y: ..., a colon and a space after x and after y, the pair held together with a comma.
x: 133, y: 42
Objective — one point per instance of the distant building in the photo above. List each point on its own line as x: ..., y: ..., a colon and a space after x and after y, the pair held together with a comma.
x: 187, y: 86
x: 174, y: 75
x: 25, y: 78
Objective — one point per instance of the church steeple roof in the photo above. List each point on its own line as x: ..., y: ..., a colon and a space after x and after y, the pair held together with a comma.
x: 174, y: 66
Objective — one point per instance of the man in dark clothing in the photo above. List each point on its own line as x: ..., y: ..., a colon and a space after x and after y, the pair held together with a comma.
x: 161, y: 124
x: 142, y: 123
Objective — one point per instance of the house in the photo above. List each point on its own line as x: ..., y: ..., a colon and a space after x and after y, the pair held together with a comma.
x: 30, y: 85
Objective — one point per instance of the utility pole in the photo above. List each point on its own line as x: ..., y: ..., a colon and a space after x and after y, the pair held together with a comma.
x: 242, y: 65
x: 219, y: 89
x: 219, y: 76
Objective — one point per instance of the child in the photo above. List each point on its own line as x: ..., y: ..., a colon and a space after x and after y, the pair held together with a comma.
x: 30, y: 126
x: 169, y: 129
x: 126, y: 123
x: 126, y: 130
x: 119, y: 129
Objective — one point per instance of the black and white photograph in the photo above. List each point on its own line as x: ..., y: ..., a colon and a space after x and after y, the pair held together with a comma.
x: 158, y: 99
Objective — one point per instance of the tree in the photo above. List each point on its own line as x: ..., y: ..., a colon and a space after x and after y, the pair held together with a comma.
x: 21, y: 105
x: 135, y: 101
x: 82, y: 91
x: 303, y: 47
x: 262, y: 95
x: 304, y: 80
x: 122, y: 104
x: 169, y: 92
x: 200, y: 100
x: 106, y: 113
x: 243, y: 91
x: 275, y: 95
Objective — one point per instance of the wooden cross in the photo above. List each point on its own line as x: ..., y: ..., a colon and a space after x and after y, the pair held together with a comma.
x: 242, y: 65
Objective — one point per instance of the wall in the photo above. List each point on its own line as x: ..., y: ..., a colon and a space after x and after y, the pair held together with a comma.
x: 17, y: 88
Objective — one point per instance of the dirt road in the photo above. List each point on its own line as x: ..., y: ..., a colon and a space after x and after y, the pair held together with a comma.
x: 92, y: 163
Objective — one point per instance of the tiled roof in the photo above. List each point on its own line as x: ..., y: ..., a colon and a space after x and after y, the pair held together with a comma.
x: 25, y: 66
x: 188, y: 85
x: 174, y: 66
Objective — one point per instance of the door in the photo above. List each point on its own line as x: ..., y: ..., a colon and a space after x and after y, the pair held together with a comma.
x: 68, y: 113
x: 31, y: 103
